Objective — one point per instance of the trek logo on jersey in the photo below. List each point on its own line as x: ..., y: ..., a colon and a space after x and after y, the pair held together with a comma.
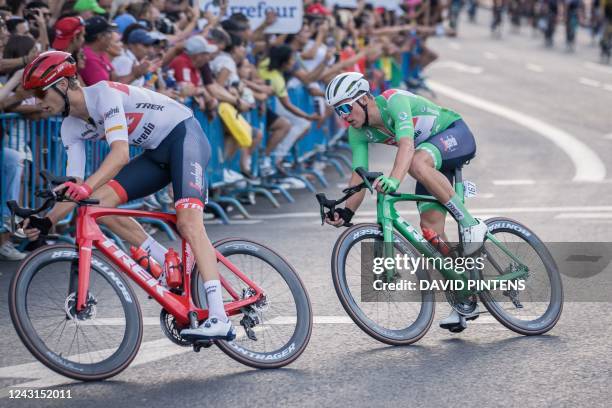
x: 147, y: 130
x: 449, y: 142
x: 133, y: 119
x: 150, y: 106
x: 112, y: 112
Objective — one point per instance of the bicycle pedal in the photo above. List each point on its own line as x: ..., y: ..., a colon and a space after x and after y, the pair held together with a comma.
x: 472, y: 317
x: 199, y: 344
x: 457, y: 329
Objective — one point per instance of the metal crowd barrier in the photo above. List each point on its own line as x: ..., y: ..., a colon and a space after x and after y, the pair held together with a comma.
x: 40, y: 147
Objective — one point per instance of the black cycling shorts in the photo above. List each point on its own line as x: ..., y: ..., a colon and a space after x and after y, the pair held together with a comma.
x: 181, y: 158
x: 450, y: 149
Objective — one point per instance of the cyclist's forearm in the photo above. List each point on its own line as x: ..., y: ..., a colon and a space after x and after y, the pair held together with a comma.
x: 403, y: 158
x: 355, y: 200
x: 118, y: 157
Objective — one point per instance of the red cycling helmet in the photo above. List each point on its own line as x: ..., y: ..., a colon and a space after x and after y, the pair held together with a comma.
x: 48, y: 69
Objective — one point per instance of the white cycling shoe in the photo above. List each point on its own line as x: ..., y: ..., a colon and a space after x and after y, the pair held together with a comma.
x: 456, y: 322
x: 473, y: 237
x: 211, y: 329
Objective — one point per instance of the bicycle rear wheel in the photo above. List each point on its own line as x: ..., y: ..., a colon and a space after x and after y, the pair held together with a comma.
x: 388, y: 317
x: 281, y: 322
x: 537, y: 308
x: 96, y: 343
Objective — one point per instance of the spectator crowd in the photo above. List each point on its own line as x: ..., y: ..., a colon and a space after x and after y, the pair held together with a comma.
x: 208, y: 59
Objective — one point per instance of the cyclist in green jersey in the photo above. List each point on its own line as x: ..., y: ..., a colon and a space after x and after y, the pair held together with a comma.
x: 432, y: 142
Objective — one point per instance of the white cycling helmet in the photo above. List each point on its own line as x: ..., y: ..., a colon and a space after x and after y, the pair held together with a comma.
x: 346, y: 86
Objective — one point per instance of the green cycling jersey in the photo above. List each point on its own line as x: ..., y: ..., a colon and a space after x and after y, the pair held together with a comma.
x: 404, y: 115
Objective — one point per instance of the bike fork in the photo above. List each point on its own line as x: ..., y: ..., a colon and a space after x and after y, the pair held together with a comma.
x: 84, y: 271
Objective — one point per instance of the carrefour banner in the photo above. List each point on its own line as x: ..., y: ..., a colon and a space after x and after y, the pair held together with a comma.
x: 290, y: 13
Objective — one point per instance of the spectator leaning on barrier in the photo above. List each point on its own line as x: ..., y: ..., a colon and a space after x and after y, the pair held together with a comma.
x: 98, y: 37
x: 280, y: 60
x: 11, y: 173
x: 225, y: 70
x: 134, y: 62
x: 12, y: 170
x: 187, y: 66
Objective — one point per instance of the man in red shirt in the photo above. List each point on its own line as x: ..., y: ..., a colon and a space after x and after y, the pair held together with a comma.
x: 98, y: 37
x: 187, y: 65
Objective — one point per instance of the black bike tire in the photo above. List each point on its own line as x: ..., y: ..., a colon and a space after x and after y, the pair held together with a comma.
x: 303, y: 331
x: 110, y: 367
x: 341, y: 248
x: 551, y: 316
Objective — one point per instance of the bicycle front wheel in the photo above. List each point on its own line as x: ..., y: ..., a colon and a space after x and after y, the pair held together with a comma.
x: 392, y: 318
x: 275, y: 331
x: 536, y: 308
x: 96, y: 343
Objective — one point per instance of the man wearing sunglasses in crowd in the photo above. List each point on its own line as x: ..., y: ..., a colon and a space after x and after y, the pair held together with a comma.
x: 432, y: 142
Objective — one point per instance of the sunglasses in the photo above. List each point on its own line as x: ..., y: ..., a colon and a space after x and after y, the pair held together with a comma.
x: 39, y: 93
x: 346, y: 108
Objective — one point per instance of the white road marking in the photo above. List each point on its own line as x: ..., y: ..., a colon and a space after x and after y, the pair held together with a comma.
x: 607, y: 87
x: 43, y: 377
x: 485, y: 195
x: 454, y: 45
x: 458, y: 66
x: 500, y: 210
x: 513, y: 182
x: 589, y: 82
x: 598, y: 67
x: 490, y: 55
x: 595, y: 215
x: 588, y: 165
x: 316, y: 320
x: 39, y: 376
x: 534, y: 68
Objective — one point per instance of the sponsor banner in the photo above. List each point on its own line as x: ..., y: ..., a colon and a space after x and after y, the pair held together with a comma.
x: 290, y: 13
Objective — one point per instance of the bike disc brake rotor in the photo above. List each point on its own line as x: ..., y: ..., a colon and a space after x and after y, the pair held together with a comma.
x: 171, y: 329
x: 463, y: 306
x: 87, y: 313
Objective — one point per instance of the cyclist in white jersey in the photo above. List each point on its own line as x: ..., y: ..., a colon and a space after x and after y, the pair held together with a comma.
x: 176, y: 150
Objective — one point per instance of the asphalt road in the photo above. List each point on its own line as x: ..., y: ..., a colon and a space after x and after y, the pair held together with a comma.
x: 543, y: 124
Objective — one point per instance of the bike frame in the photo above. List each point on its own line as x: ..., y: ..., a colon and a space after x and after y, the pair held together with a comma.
x: 89, y: 235
x: 389, y: 219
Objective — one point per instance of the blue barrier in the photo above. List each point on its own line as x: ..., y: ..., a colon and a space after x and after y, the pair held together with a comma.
x: 39, y: 144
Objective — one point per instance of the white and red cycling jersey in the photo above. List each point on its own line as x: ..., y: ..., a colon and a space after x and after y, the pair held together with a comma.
x: 117, y: 111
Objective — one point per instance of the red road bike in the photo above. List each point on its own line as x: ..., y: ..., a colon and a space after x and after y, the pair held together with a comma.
x: 75, y: 312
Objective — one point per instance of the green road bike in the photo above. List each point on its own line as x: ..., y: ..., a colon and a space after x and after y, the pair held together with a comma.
x: 516, y: 279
